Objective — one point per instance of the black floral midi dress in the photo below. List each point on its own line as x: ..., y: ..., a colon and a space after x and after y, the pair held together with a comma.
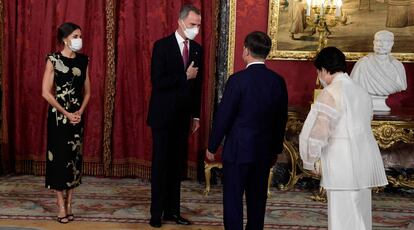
x: 64, y: 140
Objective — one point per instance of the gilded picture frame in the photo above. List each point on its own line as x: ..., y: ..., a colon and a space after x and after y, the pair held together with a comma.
x: 360, y: 20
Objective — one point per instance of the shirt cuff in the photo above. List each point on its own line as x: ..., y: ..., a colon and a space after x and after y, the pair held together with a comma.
x: 196, y: 118
x: 308, y: 166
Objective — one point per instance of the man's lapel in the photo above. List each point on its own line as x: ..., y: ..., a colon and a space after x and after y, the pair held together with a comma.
x: 176, y: 53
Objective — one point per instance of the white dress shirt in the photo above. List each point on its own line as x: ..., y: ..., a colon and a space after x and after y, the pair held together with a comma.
x: 180, y: 41
x: 255, y: 62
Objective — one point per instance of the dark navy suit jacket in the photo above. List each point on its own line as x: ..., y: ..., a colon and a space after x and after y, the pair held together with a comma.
x: 174, y: 99
x: 251, y: 116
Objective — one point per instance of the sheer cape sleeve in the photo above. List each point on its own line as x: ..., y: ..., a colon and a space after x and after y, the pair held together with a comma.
x: 317, y: 129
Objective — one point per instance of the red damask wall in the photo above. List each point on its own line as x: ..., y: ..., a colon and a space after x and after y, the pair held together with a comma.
x: 300, y: 76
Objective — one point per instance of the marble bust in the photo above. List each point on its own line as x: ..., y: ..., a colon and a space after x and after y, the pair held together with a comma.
x: 380, y: 73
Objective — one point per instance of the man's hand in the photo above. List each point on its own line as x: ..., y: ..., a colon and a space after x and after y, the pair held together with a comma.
x: 209, y: 155
x: 195, y: 126
x: 192, y: 71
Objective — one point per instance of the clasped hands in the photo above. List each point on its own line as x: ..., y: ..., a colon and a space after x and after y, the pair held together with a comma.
x: 74, y: 118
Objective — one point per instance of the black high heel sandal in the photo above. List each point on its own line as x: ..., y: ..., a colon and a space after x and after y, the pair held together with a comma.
x: 64, y: 219
x: 70, y: 216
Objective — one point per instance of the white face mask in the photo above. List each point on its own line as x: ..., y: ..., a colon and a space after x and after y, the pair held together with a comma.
x: 190, y: 33
x: 75, y: 44
x: 324, y: 84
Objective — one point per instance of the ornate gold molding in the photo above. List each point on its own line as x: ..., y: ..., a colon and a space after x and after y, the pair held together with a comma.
x: 401, y: 181
x: 388, y: 133
x: 272, y: 30
x: 294, y: 123
x: 294, y: 159
x: 275, y: 54
x: 232, y: 37
x: 109, y: 85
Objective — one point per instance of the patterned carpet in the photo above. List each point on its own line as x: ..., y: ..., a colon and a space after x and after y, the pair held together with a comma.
x: 100, y: 201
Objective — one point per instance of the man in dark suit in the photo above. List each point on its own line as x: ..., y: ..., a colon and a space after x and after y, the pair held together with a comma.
x: 175, y: 103
x: 252, y: 117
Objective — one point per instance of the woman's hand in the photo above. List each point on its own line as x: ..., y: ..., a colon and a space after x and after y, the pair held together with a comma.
x: 74, y: 118
x: 318, y: 168
x: 79, y: 113
x: 315, y: 173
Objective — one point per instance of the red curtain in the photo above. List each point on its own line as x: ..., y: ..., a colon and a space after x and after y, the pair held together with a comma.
x: 29, y: 34
x: 30, y: 28
x: 140, y: 24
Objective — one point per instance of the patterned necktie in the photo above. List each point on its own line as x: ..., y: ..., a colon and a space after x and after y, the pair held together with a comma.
x: 185, y: 53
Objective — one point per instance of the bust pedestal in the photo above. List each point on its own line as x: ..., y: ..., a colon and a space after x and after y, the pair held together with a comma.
x: 378, y: 103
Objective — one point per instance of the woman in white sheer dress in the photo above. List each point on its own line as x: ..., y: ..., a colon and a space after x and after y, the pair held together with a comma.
x: 338, y: 132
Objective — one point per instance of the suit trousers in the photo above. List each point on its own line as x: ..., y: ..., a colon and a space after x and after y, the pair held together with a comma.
x: 249, y: 179
x: 169, y: 151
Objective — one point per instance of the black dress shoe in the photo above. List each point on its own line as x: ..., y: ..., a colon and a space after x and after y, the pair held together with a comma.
x: 155, y: 223
x: 177, y: 219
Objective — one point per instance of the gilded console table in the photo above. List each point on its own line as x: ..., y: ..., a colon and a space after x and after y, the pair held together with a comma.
x: 388, y: 128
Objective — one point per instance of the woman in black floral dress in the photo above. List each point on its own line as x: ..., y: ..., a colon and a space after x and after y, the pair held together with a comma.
x: 66, y: 88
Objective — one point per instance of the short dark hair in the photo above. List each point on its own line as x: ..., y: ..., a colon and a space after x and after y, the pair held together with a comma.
x: 332, y: 59
x: 258, y: 43
x: 186, y: 9
x: 65, y: 30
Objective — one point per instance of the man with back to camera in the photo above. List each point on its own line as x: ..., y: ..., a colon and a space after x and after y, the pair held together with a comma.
x: 252, y: 117
x: 175, y: 103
